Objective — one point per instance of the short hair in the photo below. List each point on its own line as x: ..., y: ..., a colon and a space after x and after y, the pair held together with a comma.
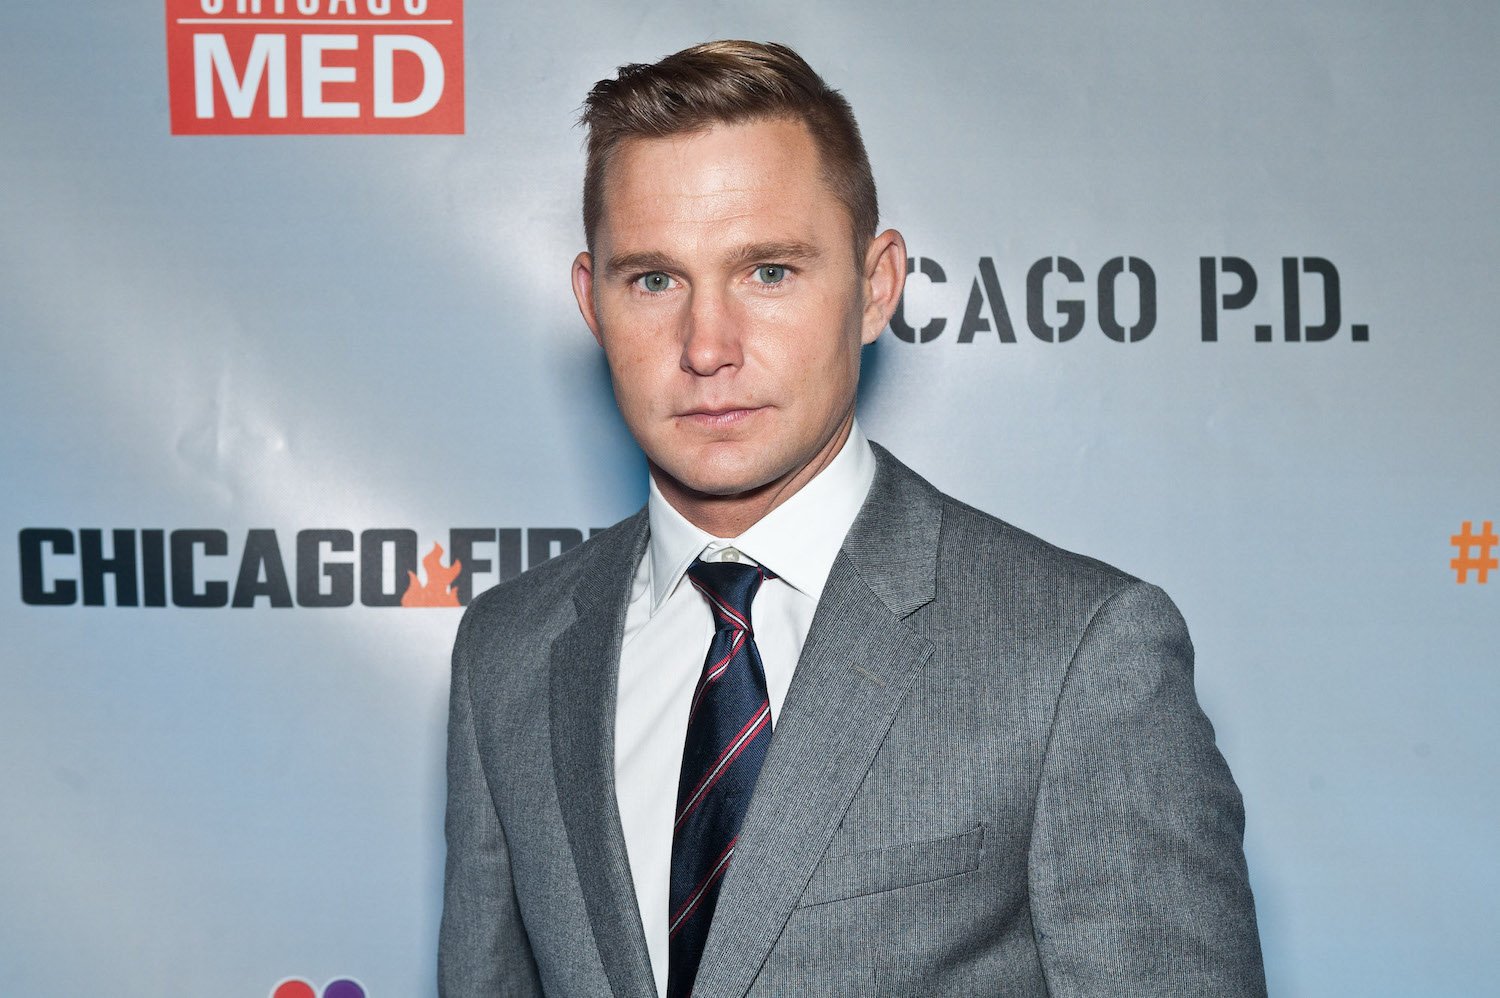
x: 728, y: 82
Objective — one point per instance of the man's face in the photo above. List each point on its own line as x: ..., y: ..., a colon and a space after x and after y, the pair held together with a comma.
x: 724, y: 290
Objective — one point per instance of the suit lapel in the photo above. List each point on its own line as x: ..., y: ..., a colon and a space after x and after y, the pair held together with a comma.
x: 856, y: 667
x: 584, y: 671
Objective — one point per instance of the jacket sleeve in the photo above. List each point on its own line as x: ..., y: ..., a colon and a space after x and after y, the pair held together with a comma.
x: 1137, y: 866
x: 483, y: 951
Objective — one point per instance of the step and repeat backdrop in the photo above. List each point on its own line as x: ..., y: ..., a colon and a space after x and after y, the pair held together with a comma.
x: 290, y: 370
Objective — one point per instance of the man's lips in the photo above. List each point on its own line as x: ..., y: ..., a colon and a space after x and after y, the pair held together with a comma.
x: 720, y: 415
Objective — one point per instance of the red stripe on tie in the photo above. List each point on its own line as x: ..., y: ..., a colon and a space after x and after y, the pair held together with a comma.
x: 732, y: 752
x: 691, y: 903
x: 713, y: 673
x: 717, y: 669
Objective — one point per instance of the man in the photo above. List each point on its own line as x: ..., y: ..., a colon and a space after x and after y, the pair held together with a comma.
x: 978, y: 765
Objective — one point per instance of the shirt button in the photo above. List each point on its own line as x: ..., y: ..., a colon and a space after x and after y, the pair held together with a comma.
x: 729, y: 554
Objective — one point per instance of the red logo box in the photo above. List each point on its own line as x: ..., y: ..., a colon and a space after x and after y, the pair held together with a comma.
x: 316, y: 67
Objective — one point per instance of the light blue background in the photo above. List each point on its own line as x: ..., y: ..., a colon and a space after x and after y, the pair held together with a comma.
x: 377, y: 332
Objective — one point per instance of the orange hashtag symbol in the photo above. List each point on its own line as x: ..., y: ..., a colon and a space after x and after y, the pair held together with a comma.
x: 1484, y: 543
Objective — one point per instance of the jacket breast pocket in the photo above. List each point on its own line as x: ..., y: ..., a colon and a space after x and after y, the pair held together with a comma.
x: 889, y: 868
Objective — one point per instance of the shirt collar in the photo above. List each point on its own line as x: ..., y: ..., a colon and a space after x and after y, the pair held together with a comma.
x: 797, y: 540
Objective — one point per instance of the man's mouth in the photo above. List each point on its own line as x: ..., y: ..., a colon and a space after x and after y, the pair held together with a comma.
x: 714, y: 416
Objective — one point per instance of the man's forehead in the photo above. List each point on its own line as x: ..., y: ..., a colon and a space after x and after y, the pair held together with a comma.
x: 719, y: 158
x: 784, y: 131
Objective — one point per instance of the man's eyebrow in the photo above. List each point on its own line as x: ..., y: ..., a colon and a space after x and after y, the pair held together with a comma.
x: 638, y: 263
x: 775, y: 252
x: 769, y: 252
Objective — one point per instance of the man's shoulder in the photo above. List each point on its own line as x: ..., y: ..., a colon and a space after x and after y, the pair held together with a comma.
x: 966, y: 527
x: 998, y: 541
x: 988, y: 569
x: 981, y: 552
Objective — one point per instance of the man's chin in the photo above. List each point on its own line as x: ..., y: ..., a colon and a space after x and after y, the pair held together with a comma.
x: 713, y: 480
x: 722, y: 488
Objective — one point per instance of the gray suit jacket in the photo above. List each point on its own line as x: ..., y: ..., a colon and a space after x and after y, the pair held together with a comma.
x: 990, y: 776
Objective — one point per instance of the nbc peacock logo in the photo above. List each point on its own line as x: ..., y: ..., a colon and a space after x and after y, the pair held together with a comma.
x: 296, y: 987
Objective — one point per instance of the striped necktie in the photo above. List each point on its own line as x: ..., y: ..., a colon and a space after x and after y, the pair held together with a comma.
x: 728, y: 732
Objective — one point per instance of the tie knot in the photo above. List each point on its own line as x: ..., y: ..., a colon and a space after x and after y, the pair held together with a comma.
x: 729, y: 587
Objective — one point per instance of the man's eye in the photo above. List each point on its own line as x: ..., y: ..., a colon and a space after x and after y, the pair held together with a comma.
x: 655, y: 282
x: 770, y: 273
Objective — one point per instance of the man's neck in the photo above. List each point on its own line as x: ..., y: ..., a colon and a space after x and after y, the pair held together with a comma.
x: 732, y: 515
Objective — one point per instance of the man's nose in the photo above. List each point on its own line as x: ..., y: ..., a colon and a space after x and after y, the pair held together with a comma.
x: 712, y: 338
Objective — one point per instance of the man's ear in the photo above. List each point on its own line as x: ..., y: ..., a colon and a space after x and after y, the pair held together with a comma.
x: 884, y: 278
x: 583, y: 290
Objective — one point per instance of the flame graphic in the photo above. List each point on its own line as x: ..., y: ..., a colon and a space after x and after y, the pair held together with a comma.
x: 436, y: 591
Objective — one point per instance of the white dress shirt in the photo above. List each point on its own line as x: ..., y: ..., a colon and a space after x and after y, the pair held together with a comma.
x: 668, y: 628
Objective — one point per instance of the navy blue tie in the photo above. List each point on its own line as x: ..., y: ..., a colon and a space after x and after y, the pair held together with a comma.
x: 728, y: 732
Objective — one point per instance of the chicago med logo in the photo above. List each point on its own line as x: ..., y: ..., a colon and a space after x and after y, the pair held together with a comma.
x: 300, y: 67
x: 1062, y: 300
x: 202, y: 568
